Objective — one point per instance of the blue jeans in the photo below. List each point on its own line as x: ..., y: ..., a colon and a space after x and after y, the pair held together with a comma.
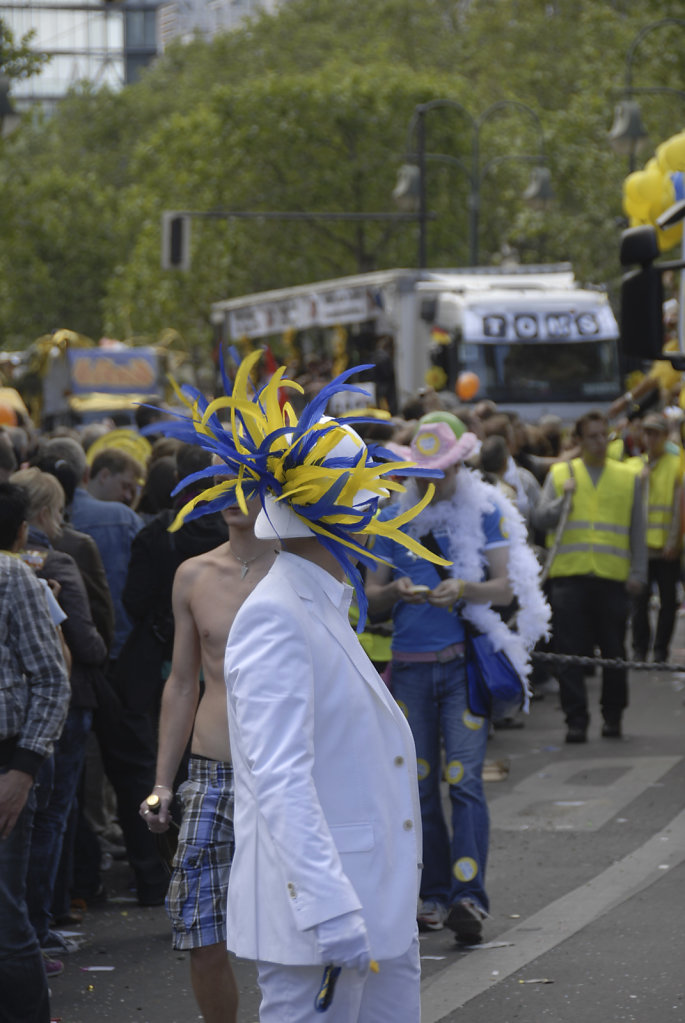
x: 433, y: 697
x: 23, y: 984
x: 52, y: 816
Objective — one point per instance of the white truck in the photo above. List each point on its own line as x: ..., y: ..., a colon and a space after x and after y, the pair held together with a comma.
x: 537, y: 341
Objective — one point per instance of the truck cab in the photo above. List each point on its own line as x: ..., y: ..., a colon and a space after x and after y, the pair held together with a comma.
x: 537, y: 342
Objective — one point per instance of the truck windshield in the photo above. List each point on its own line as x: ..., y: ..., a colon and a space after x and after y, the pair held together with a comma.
x: 552, y: 372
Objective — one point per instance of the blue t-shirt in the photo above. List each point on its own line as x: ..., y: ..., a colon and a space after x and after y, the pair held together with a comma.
x: 422, y: 627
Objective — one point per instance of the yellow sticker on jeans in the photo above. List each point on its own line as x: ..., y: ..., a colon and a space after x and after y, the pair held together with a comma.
x: 471, y: 721
x: 465, y: 869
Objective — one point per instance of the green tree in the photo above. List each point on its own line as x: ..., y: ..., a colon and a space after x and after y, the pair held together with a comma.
x: 18, y: 59
x: 309, y: 109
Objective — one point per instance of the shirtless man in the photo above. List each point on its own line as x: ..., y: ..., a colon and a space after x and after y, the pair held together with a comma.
x: 208, y: 591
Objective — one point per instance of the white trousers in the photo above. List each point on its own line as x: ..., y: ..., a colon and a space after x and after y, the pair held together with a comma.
x: 393, y: 995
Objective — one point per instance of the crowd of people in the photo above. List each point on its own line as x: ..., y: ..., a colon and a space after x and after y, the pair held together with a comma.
x: 114, y: 617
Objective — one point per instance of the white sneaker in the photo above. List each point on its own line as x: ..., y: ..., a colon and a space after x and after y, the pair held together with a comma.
x: 431, y: 916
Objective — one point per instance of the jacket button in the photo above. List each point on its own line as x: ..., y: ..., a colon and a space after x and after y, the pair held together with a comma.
x: 399, y: 761
x: 408, y: 825
x: 291, y: 890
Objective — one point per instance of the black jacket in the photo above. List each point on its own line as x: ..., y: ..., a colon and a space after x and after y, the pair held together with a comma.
x: 85, y: 553
x: 155, y: 555
x: 86, y: 645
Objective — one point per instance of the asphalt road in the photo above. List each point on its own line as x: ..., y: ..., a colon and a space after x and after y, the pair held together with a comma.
x: 586, y: 880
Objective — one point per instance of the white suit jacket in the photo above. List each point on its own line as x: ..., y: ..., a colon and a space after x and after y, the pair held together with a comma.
x: 327, y: 816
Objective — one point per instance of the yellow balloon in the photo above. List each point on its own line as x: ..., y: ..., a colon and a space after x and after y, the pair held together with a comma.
x: 670, y: 155
x: 664, y: 196
x: 650, y: 192
x: 436, y: 378
x: 635, y: 204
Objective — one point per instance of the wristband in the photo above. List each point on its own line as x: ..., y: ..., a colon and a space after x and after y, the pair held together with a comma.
x: 460, y: 591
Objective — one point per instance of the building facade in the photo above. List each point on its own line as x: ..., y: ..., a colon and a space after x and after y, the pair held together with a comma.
x: 109, y: 42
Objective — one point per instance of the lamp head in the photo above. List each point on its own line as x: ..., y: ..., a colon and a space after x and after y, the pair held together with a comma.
x: 539, y: 192
x: 406, y: 191
x: 627, y: 132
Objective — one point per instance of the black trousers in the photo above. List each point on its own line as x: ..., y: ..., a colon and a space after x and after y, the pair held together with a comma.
x: 128, y: 748
x: 586, y: 612
x: 665, y: 575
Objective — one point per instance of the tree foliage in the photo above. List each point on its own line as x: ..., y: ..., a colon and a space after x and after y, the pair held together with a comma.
x: 311, y: 110
x: 18, y: 59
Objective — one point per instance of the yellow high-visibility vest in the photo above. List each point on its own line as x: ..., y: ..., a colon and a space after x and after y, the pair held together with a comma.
x: 616, y: 449
x: 636, y: 463
x: 596, y: 539
x: 663, y: 478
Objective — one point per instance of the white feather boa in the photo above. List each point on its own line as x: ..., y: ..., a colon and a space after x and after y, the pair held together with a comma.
x: 461, y: 518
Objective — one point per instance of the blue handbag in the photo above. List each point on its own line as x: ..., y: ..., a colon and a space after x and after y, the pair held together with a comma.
x: 494, y: 688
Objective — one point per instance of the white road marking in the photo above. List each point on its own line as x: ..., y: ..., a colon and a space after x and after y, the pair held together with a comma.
x: 466, y: 979
x: 581, y: 796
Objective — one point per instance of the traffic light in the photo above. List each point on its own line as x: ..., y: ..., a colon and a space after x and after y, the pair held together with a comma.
x: 175, y: 241
x: 642, y: 331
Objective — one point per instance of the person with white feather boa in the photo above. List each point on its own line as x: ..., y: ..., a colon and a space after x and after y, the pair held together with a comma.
x: 484, y: 537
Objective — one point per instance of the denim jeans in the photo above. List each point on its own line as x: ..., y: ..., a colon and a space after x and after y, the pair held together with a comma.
x: 52, y: 816
x: 23, y: 984
x: 433, y: 697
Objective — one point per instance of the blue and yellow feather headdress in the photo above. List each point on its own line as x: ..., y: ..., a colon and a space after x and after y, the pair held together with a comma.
x: 272, y: 454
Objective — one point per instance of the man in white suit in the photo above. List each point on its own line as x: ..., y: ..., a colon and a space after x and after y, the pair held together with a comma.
x: 327, y: 821
x: 327, y: 817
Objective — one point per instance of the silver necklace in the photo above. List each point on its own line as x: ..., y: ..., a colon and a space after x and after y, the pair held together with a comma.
x: 246, y: 564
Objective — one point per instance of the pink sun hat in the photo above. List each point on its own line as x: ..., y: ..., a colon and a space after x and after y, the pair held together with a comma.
x: 437, y: 445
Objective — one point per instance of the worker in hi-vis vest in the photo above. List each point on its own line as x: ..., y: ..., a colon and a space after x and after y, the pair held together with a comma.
x: 663, y: 474
x: 600, y: 562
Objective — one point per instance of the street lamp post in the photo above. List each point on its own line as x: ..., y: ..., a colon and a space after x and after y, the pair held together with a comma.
x: 412, y: 183
x: 628, y: 130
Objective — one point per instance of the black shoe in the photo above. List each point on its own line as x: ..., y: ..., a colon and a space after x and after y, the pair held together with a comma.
x: 576, y: 733
x: 611, y: 730
x: 465, y: 918
x: 639, y: 655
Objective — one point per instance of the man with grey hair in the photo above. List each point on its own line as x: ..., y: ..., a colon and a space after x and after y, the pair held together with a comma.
x: 128, y: 760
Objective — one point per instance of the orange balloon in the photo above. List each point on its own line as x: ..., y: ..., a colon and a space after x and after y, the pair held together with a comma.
x: 467, y: 385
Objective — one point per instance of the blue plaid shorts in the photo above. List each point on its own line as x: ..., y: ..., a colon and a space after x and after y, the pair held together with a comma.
x: 198, y: 890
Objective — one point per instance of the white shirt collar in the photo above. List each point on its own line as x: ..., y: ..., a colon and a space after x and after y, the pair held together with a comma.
x: 339, y: 593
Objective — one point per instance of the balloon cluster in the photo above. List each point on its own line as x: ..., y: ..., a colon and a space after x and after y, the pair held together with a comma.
x: 648, y: 193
